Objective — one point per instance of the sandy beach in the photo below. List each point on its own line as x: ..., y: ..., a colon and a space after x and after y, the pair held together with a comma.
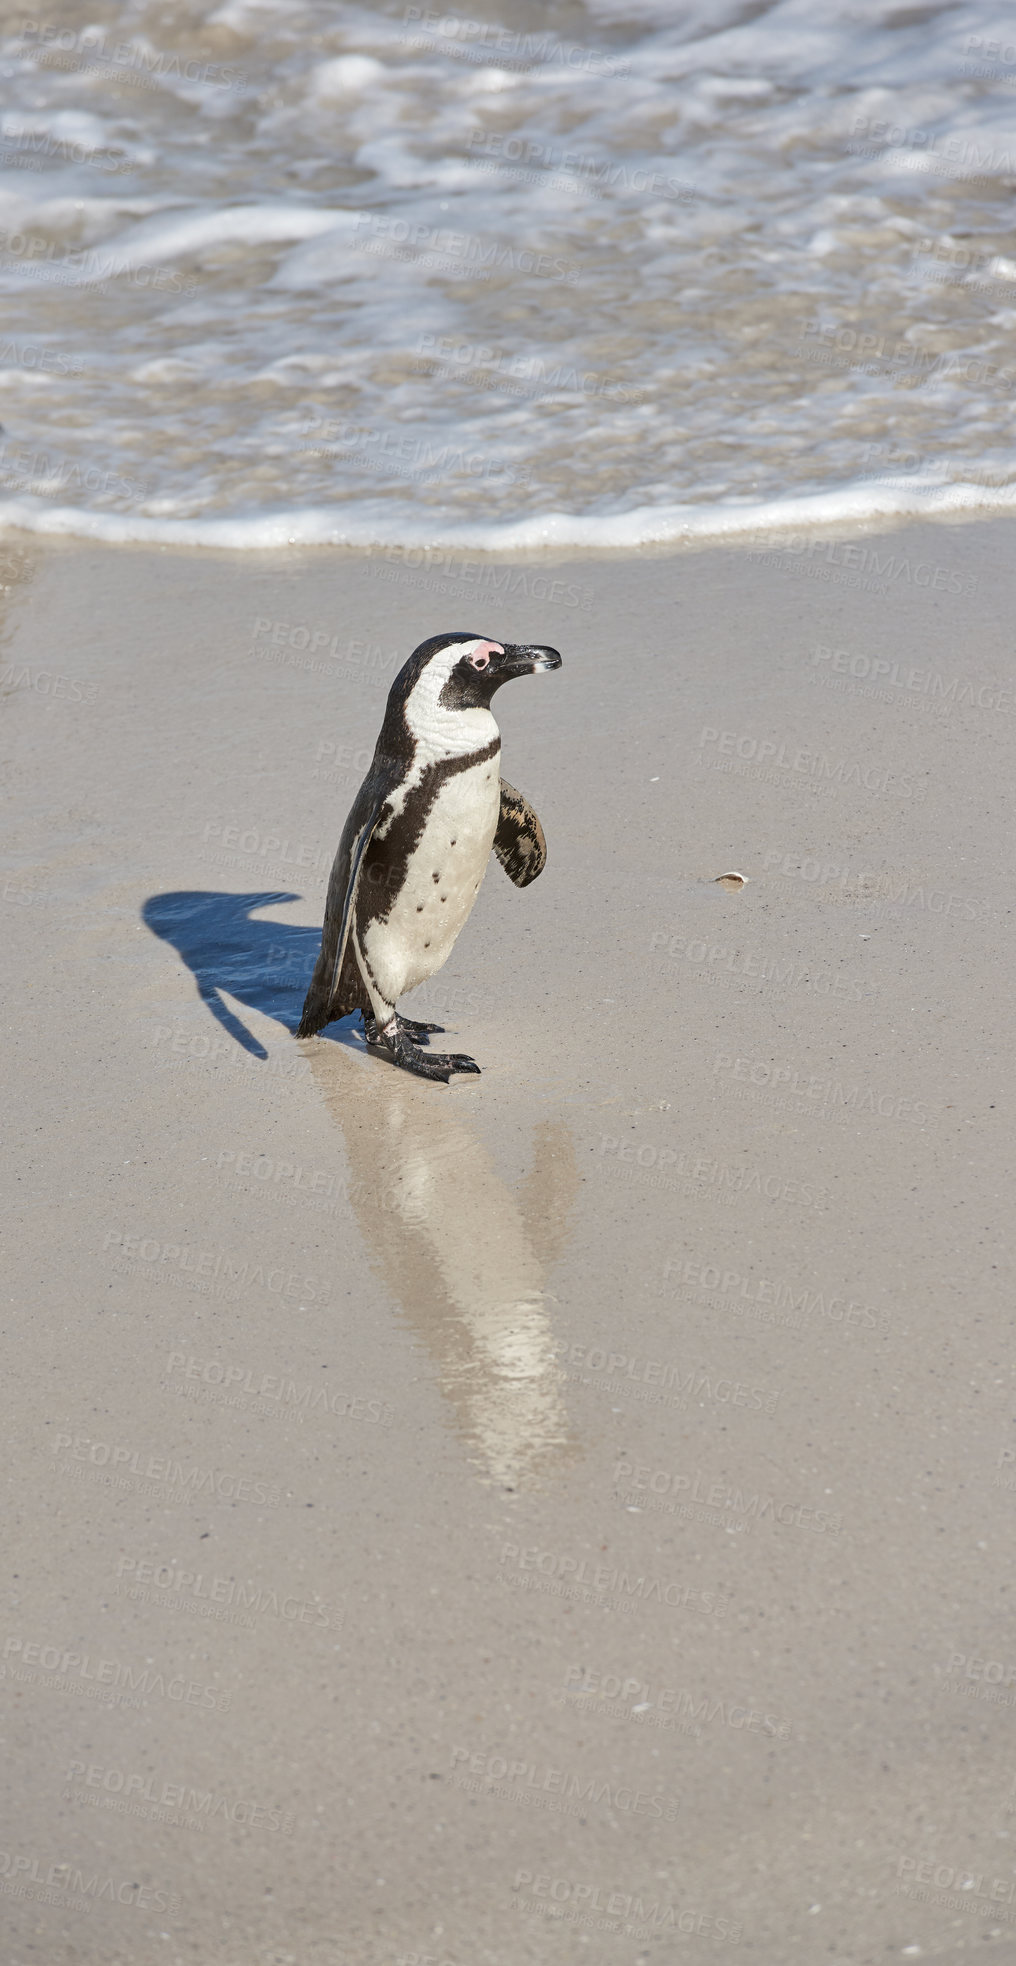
x: 566, y: 1516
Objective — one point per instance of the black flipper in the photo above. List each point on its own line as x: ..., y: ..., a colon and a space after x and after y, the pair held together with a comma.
x: 336, y: 987
x: 519, y: 841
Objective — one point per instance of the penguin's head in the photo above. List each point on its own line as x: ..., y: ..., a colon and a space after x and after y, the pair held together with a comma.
x: 449, y: 675
x: 475, y: 667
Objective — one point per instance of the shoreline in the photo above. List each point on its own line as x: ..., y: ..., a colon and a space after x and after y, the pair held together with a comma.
x: 857, y: 511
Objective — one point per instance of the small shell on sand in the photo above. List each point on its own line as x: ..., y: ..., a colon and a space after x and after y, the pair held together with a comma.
x: 732, y: 881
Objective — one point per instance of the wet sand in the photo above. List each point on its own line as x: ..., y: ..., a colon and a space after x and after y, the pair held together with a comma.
x: 566, y: 1516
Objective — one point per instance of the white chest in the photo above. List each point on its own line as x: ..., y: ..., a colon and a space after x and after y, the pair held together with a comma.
x: 442, y: 880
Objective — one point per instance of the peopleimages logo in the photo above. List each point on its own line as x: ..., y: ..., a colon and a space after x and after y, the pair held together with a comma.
x: 715, y: 960
x: 31, y: 141
x: 29, y: 355
x: 249, y: 1597
x: 240, y: 1382
x: 696, y: 1383
x: 521, y: 375
x: 849, y: 347
x: 593, y: 173
x: 825, y: 1096
x: 718, y: 1494
x: 23, y: 1656
x: 665, y: 1706
x: 869, y: 888
x: 20, y: 1873
x: 212, y: 1264
x: 701, y: 1173
x: 504, y: 583
x: 734, y: 749
x: 540, y: 1783
x: 945, y: 1877
x: 576, y: 1572
x: 858, y: 559
x: 38, y: 254
x: 900, y: 676
x: 472, y: 253
x: 126, y: 1467
x: 171, y: 1803
x: 505, y: 47
x: 775, y: 1294
x: 574, y: 1903
x: 404, y: 455
x: 94, y: 43
x: 44, y: 682
x: 54, y: 472
x: 300, y: 855
x: 980, y: 1679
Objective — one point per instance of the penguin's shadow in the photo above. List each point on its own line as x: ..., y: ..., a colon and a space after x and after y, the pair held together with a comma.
x: 267, y: 965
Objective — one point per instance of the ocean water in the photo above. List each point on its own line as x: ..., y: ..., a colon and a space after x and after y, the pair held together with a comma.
x: 297, y: 270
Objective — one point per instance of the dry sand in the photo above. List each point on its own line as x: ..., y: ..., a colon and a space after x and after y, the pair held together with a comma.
x: 567, y: 1516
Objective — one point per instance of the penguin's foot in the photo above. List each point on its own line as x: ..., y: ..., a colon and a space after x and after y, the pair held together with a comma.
x: 424, y: 1064
x: 417, y: 1033
x: 430, y: 1064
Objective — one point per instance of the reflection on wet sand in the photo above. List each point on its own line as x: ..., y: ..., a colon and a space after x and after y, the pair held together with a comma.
x: 466, y: 1258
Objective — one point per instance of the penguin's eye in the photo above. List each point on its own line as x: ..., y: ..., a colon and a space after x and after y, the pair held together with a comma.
x: 479, y: 660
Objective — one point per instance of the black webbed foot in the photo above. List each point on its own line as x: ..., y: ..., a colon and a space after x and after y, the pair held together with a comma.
x: 417, y: 1033
x: 432, y: 1064
x: 423, y: 1064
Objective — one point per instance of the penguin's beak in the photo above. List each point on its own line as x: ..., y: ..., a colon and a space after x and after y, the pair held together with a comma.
x: 525, y: 660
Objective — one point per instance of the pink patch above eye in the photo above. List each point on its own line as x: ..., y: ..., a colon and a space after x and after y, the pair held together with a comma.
x: 482, y: 653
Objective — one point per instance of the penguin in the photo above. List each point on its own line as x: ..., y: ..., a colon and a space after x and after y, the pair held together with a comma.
x: 416, y: 844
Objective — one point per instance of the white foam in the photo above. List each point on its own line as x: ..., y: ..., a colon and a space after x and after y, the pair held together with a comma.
x: 364, y: 525
x: 192, y: 232
x: 345, y: 76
